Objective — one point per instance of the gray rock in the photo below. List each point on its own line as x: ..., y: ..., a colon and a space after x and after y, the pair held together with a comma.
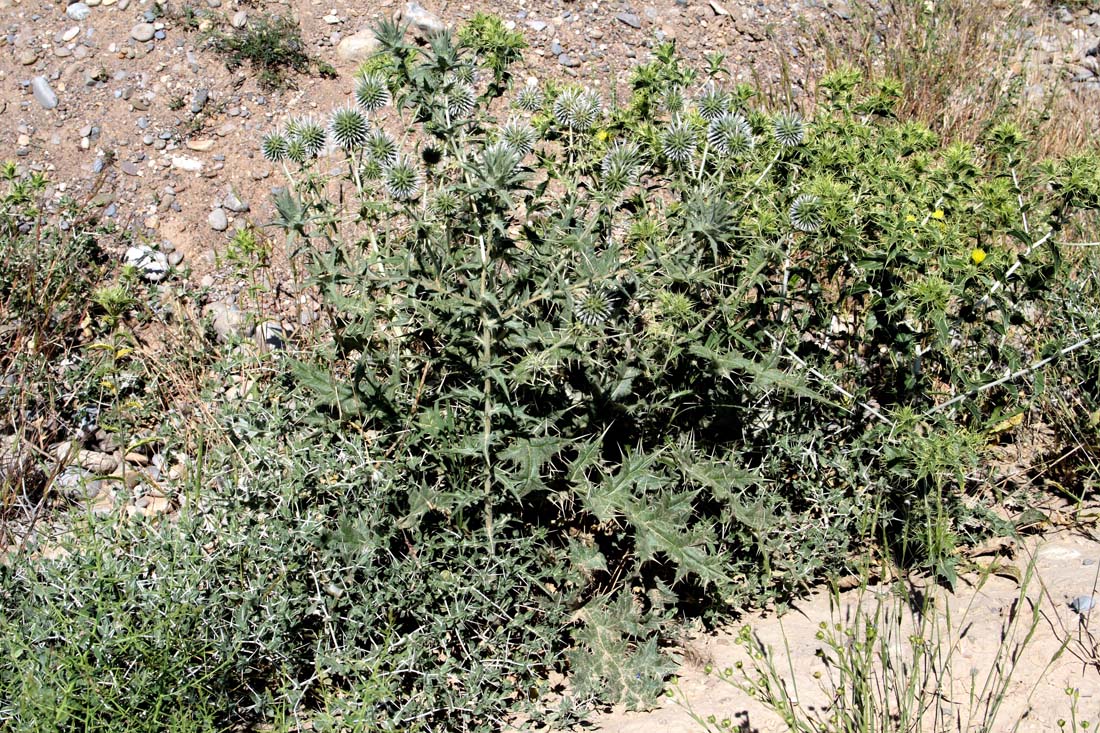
x: 233, y: 203
x: 357, y: 47
x: 269, y: 336
x: 537, y: 26
x: 630, y: 19
x: 78, y: 11
x: 202, y: 95
x: 96, y: 462
x: 239, y: 19
x: 1082, y: 604
x: 422, y: 20
x: 556, y: 49
x: 567, y: 60
x: 143, y: 32
x: 153, y: 265
x: 175, y: 259
x: 217, y: 220
x: 226, y: 320
x: 43, y: 93
x: 77, y: 483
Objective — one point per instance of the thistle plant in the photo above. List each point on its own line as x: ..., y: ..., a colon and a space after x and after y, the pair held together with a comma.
x: 682, y: 349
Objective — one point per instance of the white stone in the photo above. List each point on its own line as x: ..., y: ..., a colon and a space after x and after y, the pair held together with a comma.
x: 183, y: 163
x: 357, y: 47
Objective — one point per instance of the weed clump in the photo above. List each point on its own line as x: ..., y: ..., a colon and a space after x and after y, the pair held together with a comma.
x: 272, y: 45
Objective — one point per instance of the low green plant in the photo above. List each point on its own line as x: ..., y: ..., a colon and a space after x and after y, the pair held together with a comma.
x: 272, y: 45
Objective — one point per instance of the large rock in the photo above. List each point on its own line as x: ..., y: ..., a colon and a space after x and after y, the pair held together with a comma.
x: 357, y: 47
x: 422, y: 21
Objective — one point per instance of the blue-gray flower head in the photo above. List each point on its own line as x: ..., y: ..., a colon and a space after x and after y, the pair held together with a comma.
x: 461, y: 99
x: 679, y: 141
x: 372, y: 92
x: 519, y: 135
x: 349, y: 128
x: 576, y: 109
x: 274, y: 147
x: 529, y: 98
x: 592, y: 306
x: 805, y: 214
x: 619, y: 168
x: 788, y: 129
x: 381, y: 147
x: 712, y: 102
x: 730, y: 134
x: 310, y: 133
x: 402, y: 179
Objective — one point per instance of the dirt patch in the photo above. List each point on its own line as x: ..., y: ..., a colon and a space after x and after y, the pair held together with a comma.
x: 1060, y: 656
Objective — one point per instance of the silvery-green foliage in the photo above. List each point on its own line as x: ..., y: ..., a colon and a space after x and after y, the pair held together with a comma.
x: 629, y: 347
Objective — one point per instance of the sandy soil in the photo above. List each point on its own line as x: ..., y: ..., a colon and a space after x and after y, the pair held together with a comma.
x: 975, y: 624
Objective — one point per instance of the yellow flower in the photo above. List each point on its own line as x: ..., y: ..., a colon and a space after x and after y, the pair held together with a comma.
x: 977, y: 255
x: 909, y: 218
x: 603, y: 136
x: 938, y: 214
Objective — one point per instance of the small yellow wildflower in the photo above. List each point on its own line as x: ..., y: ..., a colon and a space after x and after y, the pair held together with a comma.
x: 603, y: 136
x: 938, y: 214
x: 977, y: 255
x: 909, y: 218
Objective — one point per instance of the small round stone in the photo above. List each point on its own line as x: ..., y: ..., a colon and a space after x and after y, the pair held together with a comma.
x: 143, y: 32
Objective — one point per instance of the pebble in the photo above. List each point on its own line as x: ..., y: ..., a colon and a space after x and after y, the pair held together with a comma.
x: 70, y: 34
x: 234, y: 203
x: 152, y: 264
x: 76, y: 483
x: 96, y: 462
x: 27, y: 57
x: 630, y: 19
x: 239, y: 19
x: 78, y: 11
x: 1082, y: 604
x: 46, y: 97
x: 537, y: 26
x: 202, y: 95
x: 143, y: 32
x: 218, y: 220
x: 183, y: 163
x: 225, y: 319
x: 567, y: 60
x: 556, y: 49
